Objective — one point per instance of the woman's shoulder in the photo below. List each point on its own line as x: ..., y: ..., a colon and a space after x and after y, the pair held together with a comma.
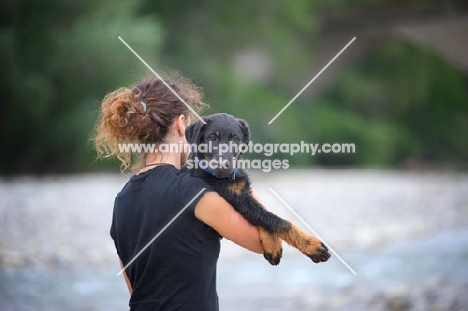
x: 166, y: 179
x: 189, y: 181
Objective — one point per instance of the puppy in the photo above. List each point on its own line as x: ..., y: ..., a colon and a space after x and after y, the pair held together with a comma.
x: 218, y: 169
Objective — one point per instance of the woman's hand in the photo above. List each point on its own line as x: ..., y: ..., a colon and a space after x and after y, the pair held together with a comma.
x: 127, y: 281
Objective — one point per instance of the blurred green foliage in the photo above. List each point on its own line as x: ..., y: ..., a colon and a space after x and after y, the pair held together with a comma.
x: 401, y: 104
x: 414, y: 105
x: 58, y: 58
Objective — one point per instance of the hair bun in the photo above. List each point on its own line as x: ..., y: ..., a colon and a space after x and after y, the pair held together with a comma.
x: 143, y: 114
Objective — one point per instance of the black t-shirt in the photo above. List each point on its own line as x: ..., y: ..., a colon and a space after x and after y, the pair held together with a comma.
x: 178, y: 270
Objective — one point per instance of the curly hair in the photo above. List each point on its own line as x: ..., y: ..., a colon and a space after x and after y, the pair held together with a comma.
x: 124, y: 119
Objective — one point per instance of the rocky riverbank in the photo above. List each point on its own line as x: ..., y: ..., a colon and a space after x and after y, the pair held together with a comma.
x: 405, y: 234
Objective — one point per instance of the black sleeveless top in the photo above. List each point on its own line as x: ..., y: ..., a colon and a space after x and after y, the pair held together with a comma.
x: 178, y: 270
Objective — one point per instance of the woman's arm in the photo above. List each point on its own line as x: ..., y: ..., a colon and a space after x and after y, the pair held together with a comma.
x: 217, y: 213
x: 129, y: 286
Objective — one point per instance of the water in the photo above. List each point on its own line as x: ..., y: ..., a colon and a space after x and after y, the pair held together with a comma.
x: 405, y: 234
x: 444, y: 254
x: 250, y: 278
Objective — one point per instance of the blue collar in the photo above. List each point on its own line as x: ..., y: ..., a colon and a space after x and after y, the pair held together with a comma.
x: 209, y: 171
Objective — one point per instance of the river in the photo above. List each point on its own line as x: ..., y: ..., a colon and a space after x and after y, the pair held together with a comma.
x: 405, y: 234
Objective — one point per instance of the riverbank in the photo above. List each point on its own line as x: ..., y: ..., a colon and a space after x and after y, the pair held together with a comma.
x: 405, y: 234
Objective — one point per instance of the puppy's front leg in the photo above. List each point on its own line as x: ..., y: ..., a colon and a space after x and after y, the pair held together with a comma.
x: 240, y: 198
x: 307, y: 244
x: 256, y: 214
x: 272, y: 248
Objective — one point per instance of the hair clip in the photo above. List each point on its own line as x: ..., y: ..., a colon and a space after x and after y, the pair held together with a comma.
x: 144, y: 108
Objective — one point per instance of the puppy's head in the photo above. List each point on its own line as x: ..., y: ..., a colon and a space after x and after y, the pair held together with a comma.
x: 218, y: 141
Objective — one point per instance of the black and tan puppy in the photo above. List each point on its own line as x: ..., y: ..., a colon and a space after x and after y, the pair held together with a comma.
x: 233, y: 184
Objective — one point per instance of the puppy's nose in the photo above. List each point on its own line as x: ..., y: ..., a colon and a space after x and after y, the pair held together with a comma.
x: 226, y: 164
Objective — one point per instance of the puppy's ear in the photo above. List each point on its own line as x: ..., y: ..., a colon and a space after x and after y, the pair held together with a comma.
x: 194, y: 132
x: 245, y: 131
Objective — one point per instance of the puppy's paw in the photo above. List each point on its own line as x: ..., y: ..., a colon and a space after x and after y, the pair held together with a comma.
x: 274, y: 259
x: 319, y: 253
x: 308, y: 245
x: 272, y: 248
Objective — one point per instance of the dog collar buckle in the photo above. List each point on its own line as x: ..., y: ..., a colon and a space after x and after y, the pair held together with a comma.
x: 207, y: 169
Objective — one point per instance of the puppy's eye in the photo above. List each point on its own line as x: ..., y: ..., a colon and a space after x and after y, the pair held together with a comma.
x: 235, y: 139
x: 212, y: 137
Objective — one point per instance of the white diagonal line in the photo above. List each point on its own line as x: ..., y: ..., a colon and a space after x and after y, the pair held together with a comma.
x: 159, y: 233
x: 159, y: 77
x: 316, y: 76
x: 313, y: 231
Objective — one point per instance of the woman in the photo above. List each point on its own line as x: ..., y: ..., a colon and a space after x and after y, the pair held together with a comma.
x: 178, y: 270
